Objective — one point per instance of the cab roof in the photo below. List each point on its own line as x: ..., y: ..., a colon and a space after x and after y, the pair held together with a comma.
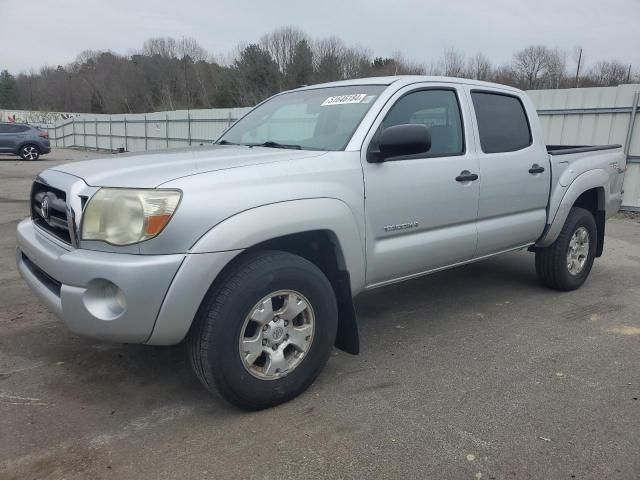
x: 402, y: 80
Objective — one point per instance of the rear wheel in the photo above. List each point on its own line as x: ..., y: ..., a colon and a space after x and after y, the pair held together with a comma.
x: 566, y: 264
x: 265, y: 331
x: 29, y: 152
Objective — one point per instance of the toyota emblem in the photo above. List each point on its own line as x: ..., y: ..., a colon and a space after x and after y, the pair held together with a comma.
x: 44, y: 208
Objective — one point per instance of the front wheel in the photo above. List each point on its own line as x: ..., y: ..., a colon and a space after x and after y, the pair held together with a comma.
x: 265, y: 331
x: 566, y: 263
x: 30, y: 152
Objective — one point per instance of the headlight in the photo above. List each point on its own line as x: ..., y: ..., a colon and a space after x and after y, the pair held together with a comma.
x: 122, y: 216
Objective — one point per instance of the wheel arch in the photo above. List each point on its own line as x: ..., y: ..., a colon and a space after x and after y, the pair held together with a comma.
x: 586, y: 191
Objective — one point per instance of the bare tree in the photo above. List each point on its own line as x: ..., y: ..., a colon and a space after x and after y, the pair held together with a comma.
x: 530, y: 65
x: 479, y: 67
x: 281, y: 45
x: 356, y: 62
x: 189, y: 47
x: 328, y: 58
x: 406, y: 67
x: 165, y: 47
x: 452, y: 63
x: 608, y: 74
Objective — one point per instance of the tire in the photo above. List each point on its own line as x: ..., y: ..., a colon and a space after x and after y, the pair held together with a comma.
x: 553, y: 265
x: 228, y: 312
x: 29, y: 152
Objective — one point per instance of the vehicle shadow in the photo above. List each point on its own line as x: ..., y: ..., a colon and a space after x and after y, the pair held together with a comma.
x: 475, y: 283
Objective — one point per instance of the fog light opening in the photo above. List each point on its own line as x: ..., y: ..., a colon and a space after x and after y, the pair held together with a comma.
x: 104, y: 299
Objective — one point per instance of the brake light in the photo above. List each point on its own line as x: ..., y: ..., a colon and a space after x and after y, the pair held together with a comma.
x: 44, y: 135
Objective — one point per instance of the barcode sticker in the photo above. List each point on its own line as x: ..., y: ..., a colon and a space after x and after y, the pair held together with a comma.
x: 344, y: 99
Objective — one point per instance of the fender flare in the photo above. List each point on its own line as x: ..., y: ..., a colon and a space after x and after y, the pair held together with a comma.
x: 267, y: 222
x: 596, y: 178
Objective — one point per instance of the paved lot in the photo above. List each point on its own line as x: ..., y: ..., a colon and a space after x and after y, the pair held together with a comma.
x: 472, y: 373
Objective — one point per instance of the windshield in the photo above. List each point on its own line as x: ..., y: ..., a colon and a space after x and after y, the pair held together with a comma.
x: 318, y: 119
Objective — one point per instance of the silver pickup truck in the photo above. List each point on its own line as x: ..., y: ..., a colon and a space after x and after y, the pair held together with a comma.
x: 251, y: 250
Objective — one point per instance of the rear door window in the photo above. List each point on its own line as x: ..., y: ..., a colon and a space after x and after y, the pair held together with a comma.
x: 502, y: 122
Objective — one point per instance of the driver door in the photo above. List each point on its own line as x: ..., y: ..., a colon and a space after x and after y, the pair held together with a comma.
x: 421, y: 211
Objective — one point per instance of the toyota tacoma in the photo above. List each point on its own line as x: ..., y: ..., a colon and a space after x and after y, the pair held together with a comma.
x: 252, y: 249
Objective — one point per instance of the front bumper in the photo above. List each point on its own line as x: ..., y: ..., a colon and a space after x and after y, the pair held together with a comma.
x: 108, y: 296
x: 118, y: 297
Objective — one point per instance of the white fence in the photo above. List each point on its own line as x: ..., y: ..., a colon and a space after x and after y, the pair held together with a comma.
x: 575, y: 116
x: 592, y: 116
x: 136, y: 132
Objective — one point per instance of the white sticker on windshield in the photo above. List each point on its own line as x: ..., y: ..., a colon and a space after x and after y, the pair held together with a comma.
x: 343, y: 99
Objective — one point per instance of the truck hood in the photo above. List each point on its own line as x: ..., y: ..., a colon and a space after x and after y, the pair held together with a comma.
x: 152, y: 169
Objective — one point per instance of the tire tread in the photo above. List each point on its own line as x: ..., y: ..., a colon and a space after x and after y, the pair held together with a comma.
x: 550, y: 261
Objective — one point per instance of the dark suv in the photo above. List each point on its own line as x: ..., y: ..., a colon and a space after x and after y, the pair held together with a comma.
x: 24, y: 140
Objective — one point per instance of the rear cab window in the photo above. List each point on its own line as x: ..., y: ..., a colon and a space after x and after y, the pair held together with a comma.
x: 502, y: 122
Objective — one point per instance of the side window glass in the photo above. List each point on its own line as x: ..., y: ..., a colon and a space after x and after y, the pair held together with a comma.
x: 439, y: 111
x: 15, y: 129
x: 502, y: 122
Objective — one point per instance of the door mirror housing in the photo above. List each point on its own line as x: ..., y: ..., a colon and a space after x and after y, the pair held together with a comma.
x: 400, y: 141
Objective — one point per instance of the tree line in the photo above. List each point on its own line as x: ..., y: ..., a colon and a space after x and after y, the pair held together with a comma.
x: 173, y: 74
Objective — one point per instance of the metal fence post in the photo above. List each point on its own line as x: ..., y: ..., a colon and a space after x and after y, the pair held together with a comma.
x: 166, y: 127
x: 96, y: 132
x: 630, y: 127
x: 110, y: 136
x: 189, y: 126
x: 73, y: 126
x: 146, y: 142
x: 84, y: 133
x: 125, y: 134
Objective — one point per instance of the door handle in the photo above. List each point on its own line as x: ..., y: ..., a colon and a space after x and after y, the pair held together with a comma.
x: 466, y: 176
x: 535, y: 168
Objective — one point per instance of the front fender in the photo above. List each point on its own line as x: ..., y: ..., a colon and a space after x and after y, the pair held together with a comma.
x: 222, y: 243
x: 563, y: 199
x: 250, y: 227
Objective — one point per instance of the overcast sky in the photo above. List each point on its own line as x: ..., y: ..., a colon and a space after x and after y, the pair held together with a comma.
x: 38, y: 32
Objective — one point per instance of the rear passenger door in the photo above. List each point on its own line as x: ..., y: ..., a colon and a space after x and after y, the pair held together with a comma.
x: 514, y: 172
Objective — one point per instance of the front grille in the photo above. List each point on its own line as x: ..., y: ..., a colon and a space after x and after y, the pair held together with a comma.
x: 52, y: 218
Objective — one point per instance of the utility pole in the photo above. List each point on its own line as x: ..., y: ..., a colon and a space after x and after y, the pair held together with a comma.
x: 628, y: 74
x: 186, y: 86
x: 578, y: 69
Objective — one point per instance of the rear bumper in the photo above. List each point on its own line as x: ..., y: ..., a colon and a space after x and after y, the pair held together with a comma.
x: 117, y: 297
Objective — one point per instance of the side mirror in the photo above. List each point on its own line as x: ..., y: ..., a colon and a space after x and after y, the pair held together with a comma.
x: 402, y: 140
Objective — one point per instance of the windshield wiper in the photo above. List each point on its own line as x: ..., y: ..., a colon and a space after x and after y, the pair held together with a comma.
x: 226, y: 142
x: 270, y: 144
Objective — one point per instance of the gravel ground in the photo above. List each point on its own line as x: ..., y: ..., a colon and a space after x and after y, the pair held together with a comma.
x: 475, y: 372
